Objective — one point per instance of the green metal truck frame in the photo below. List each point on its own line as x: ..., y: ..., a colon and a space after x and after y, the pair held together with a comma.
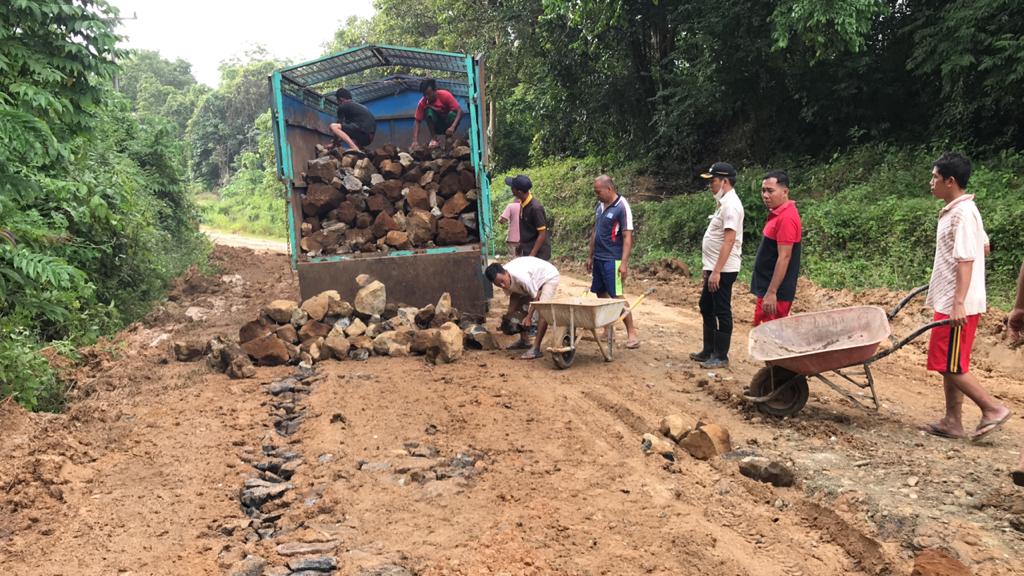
x: 301, y: 116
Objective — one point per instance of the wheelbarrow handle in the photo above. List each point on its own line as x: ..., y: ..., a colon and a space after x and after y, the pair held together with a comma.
x: 906, y: 300
x: 913, y: 335
x: 631, y: 305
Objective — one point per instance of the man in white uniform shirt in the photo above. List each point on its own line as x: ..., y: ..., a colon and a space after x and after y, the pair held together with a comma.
x: 526, y: 279
x: 957, y: 293
x: 720, y: 259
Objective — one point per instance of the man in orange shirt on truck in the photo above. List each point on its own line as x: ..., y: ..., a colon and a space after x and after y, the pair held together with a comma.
x: 439, y: 109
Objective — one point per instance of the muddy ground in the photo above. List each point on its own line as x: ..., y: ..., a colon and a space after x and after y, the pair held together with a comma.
x: 494, y: 465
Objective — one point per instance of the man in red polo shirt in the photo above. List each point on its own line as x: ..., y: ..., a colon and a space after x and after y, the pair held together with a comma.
x: 777, y: 263
x: 440, y: 110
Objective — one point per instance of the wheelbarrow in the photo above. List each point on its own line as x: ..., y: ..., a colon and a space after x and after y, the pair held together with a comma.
x: 836, y: 347
x: 571, y: 318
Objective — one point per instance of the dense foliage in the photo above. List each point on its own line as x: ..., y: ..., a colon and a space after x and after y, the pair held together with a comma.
x: 94, y: 211
x: 683, y: 83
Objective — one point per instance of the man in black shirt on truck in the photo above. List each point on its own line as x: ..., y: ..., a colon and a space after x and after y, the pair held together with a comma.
x: 356, y: 124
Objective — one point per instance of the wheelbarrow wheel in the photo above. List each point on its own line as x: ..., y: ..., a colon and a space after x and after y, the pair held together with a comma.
x: 564, y: 360
x: 792, y: 391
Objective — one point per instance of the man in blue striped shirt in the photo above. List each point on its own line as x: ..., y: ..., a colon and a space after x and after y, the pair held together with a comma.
x: 610, y: 245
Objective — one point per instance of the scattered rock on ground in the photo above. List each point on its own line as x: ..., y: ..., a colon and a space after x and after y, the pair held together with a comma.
x: 765, y: 470
x: 371, y: 299
x: 654, y: 444
x: 673, y: 426
x: 933, y: 562
x: 188, y: 351
x: 250, y: 566
x: 707, y: 441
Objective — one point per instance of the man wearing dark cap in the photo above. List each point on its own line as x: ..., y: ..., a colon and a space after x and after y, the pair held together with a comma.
x: 533, y: 222
x: 777, y: 263
x: 720, y: 260
x: 356, y: 125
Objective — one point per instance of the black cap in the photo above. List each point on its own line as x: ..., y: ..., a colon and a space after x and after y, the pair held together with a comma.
x: 719, y: 170
x: 520, y: 182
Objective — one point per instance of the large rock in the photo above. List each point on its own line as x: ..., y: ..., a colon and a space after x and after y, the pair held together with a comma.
x: 421, y: 226
x: 933, y: 562
x: 390, y: 169
x: 312, y: 330
x: 425, y: 316
x: 364, y: 220
x: 449, y: 185
x: 423, y: 340
x: 339, y: 308
x: 371, y: 299
x: 268, y: 350
x: 393, y: 343
x: 674, y: 426
x: 469, y: 220
x: 451, y: 232
x: 454, y: 205
x: 390, y: 189
x: 377, y: 203
x: 426, y: 178
x: 398, y: 240
x: 229, y: 358
x: 654, y: 444
x: 358, y: 235
x: 287, y: 333
x: 477, y: 337
x: 467, y: 179
x: 253, y: 330
x: 405, y: 316
x: 706, y: 442
x: 188, y: 351
x: 461, y: 152
x: 405, y: 159
x: 321, y: 170
x: 320, y: 199
x: 356, y: 328
x: 384, y: 224
x: 447, y: 345
x: 318, y: 306
x: 337, y: 345
x: 351, y: 183
x: 417, y: 198
x: 280, y: 311
x: 444, y: 311
x: 345, y: 213
x: 765, y: 470
x: 249, y: 566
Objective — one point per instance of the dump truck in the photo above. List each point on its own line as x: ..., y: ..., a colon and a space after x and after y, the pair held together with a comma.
x: 385, y: 79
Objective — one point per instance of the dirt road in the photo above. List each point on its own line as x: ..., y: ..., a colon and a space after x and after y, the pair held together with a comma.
x: 494, y: 465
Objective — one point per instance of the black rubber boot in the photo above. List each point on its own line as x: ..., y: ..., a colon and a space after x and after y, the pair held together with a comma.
x: 720, y: 355
x: 709, y: 346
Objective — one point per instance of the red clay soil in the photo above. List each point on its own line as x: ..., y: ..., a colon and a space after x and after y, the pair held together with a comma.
x: 494, y: 465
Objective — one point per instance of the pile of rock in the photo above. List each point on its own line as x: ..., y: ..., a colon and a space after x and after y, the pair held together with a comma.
x: 388, y: 200
x: 327, y: 327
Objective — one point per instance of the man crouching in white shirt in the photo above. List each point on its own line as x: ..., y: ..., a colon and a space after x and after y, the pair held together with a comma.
x: 526, y: 279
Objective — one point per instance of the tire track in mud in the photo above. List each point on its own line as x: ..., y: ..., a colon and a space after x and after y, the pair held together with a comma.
x: 747, y: 520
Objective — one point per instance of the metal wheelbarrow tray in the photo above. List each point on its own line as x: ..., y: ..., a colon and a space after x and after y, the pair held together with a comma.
x: 843, y: 342
x: 568, y: 316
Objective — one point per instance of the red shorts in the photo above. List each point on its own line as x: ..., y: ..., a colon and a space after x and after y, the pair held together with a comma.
x: 782, y: 311
x: 949, y: 349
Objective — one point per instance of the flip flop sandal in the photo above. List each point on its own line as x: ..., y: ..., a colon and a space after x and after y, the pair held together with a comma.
x: 518, y: 345
x: 1018, y: 477
x: 989, y: 427
x: 933, y: 430
x: 532, y: 355
x: 357, y: 154
x: 633, y: 345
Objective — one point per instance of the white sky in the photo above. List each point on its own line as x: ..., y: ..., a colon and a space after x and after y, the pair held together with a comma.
x: 206, y: 32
